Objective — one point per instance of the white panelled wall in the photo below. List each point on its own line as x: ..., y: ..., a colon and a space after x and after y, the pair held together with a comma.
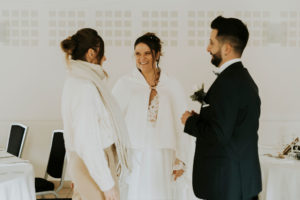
x: 32, y: 65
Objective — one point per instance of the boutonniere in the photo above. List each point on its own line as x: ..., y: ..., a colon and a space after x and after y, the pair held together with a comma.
x: 199, y: 94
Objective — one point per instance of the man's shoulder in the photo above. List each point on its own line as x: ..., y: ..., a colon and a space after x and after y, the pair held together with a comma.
x: 236, y: 72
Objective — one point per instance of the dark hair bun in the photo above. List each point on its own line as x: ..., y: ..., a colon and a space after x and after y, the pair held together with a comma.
x: 68, y: 45
x: 75, y: 47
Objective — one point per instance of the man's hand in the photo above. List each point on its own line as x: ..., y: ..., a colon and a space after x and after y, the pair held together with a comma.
x: 112, y: 194
x: 186, y: 115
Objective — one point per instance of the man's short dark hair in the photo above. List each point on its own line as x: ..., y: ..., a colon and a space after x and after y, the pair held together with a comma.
x: 231, y: 30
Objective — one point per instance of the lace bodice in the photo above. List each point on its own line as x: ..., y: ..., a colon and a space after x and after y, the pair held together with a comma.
x: 153, y: 110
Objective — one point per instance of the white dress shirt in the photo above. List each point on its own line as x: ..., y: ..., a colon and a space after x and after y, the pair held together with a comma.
x: 219, y: 70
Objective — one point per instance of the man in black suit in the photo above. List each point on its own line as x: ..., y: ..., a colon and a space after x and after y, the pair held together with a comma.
x: 226, y: 163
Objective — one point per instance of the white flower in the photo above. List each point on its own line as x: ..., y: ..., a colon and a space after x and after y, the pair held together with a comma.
x: 198, y: 87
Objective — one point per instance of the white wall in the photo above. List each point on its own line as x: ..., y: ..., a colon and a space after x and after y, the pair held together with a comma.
x: 32, y: 64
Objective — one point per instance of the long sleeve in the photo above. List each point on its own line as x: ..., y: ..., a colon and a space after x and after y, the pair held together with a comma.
x: 87, y: 131
x: 216, y: 122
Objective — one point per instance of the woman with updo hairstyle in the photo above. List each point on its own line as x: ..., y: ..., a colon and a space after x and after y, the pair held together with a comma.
x: 152, y: 103
x: 95, y: 134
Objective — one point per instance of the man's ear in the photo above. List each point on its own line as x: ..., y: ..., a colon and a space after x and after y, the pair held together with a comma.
x: 227, y: 49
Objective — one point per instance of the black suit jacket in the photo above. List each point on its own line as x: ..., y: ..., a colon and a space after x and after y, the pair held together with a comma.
x: 226, y: 163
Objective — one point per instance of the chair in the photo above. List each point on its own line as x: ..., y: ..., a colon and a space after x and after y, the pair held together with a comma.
x: 16, y: 139
x: 55, y: 167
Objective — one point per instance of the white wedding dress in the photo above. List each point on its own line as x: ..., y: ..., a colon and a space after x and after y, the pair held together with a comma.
x: 151, y: 177
x: 157, y: 139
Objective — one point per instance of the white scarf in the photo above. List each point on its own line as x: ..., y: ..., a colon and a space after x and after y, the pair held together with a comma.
x: 95, y: 74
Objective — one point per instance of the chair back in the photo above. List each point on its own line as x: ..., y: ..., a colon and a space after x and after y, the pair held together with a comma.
x: 57, y: 155
x: 16, y: 139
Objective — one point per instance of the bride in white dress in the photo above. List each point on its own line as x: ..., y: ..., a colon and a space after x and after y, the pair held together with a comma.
x: 152, y: 104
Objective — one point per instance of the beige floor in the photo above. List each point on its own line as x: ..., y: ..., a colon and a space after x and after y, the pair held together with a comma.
x: 65, y: 192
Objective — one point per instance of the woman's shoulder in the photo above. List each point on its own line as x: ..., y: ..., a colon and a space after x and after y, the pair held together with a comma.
x: 170, y: 80
x: 126, y: 78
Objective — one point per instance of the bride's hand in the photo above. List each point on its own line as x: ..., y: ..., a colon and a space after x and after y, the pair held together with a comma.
x: 177, y: 173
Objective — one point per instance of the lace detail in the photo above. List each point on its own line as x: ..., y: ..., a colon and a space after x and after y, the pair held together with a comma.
x: 153, y: 110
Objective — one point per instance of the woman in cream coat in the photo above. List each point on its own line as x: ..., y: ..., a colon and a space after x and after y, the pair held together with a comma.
x: 95, y: 135
x: 152, y: 103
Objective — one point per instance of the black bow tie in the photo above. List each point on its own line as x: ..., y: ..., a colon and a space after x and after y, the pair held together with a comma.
x: 216, y: 73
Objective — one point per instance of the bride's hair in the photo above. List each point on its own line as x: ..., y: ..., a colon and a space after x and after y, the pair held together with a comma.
x: 78, y: 44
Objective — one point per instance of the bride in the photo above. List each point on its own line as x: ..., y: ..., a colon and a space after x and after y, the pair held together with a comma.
x: 152, y: 103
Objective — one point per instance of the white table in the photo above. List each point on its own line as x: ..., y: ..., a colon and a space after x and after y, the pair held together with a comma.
x: 16, y: 178
x: 281, y: 178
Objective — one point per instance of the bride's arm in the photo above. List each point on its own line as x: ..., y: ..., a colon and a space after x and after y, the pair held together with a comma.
x: 121, y: 94
x: 184, y: 142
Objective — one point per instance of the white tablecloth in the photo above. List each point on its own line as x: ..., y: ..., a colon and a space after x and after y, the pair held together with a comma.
x: 16, y: 178
x: 281, y: 178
